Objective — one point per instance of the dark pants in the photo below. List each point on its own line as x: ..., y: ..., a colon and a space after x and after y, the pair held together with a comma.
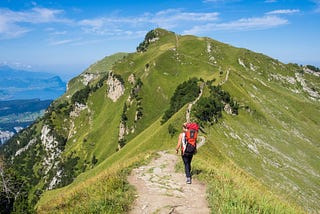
x: 187, y: 164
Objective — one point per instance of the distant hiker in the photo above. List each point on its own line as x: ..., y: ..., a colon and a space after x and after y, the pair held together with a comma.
x: 187, y: 143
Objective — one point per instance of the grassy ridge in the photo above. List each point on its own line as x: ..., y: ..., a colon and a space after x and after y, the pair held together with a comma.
x: 281, y: 149
x: 249, y: 161
x: 229, y: 188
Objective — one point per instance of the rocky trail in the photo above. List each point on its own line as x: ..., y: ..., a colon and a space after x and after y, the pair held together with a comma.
x: 163, y: 190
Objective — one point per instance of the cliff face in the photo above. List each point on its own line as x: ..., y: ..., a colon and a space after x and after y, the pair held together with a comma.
x: 115, y: 88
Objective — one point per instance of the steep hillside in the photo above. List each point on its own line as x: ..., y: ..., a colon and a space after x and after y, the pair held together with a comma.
x: 262, y: 138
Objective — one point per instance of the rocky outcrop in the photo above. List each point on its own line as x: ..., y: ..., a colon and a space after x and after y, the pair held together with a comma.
x: 115, y: 88
x: 31, y: 142
x: 241, y: 63
x: 78, y: 108
x: 312, y: 93
x: 133, y: 101
x: 87, y: 77
x: 52, y: 151
x: 228, y: 109
x: 132, y: 79
x: 55, y: 180
x: 307, y: 70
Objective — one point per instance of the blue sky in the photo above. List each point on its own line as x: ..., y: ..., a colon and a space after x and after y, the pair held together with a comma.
x: 65, y: 37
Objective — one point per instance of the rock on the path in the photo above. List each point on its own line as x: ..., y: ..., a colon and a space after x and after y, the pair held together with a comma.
x: 162, y: 190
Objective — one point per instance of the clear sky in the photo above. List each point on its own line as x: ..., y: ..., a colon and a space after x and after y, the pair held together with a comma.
x: 66, y: 36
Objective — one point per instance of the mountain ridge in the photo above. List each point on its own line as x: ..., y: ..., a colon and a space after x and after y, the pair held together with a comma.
x: 91, y: 135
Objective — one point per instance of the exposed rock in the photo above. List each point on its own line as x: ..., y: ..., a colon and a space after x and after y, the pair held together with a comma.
x: 241, y: 63
x: 132, y: 79
x: 208, y: 47
x: 51, y: 148
x: 115, y: 88
x: 87, y: 77
x: 153, y: 39
x: 212, y: 60
x: 253, y: 67
x: 313, y: 94
x: 284, y: 79
x: 227, y: 108
x: 307, y: 70
x: 253, y: 147
x: 122, y: 130
x: 31, y: 142
x: 78, y: 107
x: 55, y: 180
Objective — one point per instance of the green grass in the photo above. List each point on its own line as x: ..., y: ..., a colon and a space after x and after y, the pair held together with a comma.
x: 229, y: 188
x: 108, y: 192
x: 264, y: 160
x: 232, y: 190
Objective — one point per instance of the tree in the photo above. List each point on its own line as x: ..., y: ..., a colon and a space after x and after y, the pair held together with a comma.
x: 184, y: 93
x: 143, y: 46
x: 208, y: 109
x: 7, y: 194
x: 14, y: 192
x: 81, y: 96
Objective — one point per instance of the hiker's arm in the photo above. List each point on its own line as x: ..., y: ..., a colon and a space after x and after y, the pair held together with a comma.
x: 179, y: 143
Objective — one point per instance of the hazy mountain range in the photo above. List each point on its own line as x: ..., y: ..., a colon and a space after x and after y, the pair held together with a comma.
x: 24, y: 96
x: 19, y: 84
x: 16, y: 115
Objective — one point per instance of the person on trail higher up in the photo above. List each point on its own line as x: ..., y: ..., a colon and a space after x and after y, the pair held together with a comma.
x: 186, y: 157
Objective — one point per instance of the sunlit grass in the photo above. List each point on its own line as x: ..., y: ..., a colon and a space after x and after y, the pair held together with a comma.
x: 107, y: 192
x: 245, y: 158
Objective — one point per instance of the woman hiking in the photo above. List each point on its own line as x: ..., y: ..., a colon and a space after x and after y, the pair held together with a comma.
x: 187, y: 149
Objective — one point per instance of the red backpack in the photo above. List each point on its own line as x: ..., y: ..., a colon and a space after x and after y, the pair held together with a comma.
x: 191, y: 138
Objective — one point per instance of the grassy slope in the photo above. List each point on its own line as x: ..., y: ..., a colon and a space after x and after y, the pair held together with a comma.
x: 279, y: 136
x: 266, y: 142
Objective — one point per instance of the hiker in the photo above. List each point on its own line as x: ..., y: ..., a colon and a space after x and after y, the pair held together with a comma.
x: 187, y: 150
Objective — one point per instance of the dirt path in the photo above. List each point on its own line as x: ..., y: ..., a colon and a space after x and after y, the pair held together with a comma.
x: 192, y: 103
x: 162, y: 190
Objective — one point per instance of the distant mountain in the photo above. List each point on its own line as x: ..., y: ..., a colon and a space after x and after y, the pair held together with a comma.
x: 19, y: 84
x: 259, y: 118
x: 16, y: 115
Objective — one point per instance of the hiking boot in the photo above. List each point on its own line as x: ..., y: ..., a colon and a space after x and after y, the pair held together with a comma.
x: 188, y: 180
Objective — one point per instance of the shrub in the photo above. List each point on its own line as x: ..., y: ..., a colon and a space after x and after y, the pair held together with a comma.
x: 143, y: 46
x: 208, y: 109
x: 81, y: 96
x: 184, y: 93
x: 311, y: 67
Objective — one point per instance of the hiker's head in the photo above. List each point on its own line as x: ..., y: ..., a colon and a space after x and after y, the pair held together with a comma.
x: 184, y: 126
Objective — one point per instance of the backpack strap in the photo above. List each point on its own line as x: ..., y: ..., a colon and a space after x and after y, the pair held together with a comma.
x: 183, y: 143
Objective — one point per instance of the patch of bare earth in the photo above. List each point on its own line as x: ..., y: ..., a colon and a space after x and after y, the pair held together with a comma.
x: 162, y: 190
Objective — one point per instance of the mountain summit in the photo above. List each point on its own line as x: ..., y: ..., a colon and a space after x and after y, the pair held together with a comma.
x: 260, y: 119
